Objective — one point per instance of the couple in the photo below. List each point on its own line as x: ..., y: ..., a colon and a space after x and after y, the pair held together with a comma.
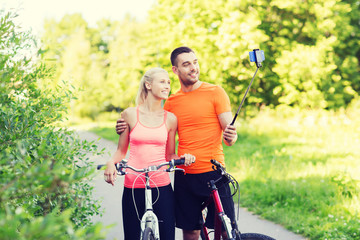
x: 201, y: 114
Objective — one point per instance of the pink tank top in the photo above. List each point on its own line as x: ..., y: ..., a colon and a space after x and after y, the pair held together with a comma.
x: 147, y: 147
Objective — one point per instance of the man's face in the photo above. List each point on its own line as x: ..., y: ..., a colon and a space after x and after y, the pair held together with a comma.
x: 187, y: 68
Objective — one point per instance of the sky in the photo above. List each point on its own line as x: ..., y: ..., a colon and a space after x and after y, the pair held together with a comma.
x: 32, y: 13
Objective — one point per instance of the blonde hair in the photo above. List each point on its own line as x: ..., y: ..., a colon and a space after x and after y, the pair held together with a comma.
x: 147, y: 77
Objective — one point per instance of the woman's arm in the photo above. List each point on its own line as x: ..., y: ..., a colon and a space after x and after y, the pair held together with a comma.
x: 170, y: 146
x: 172, y: 128
x: 123, y: 143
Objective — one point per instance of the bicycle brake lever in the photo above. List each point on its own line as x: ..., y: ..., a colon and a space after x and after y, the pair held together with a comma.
x: 220, y: 170
x: 119, y: 168
x: 173, y: 168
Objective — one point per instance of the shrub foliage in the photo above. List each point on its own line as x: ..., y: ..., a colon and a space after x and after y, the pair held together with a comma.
x: 44, y: 169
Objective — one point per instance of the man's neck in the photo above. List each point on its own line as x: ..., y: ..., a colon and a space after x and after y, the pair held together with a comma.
x: 191, y: 88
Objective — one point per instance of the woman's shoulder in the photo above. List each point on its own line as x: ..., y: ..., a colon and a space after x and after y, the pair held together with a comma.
x: 171, y: 116
x: 129, y: 113
x: 171, y: 119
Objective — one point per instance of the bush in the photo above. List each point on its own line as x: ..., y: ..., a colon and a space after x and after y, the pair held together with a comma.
x: 44, y: 171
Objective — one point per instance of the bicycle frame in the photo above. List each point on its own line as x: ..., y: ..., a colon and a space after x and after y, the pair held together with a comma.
x: 220, y: 216
x: 222, y: 222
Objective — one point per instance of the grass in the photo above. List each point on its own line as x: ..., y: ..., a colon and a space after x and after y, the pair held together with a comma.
x: 300, y: 170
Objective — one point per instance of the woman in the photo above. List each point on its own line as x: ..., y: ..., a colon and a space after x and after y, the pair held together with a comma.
x: 151, y: 134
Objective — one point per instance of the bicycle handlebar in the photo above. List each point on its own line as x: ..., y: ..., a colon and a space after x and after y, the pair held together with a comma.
x: 222, y: 170
x: 219, y: 167
x: 216, y: 163
x: 123, y: 164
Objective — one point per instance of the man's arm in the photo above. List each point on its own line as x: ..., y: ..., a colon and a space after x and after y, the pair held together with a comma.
x: 229, y: 131
x: 121, y: 125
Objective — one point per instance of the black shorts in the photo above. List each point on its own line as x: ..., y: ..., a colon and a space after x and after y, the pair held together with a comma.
x: 191, y: 190
x: 163, y: 208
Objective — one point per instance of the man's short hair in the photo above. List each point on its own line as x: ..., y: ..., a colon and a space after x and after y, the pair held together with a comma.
x: 178, y: 51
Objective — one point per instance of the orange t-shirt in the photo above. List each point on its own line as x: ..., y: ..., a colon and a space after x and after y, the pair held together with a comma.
x: 199, y: 129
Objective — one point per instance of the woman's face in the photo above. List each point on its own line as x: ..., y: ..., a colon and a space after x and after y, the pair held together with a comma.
x: 160, y: 86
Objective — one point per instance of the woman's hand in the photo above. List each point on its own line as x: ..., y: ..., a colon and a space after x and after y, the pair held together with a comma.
x: 110, y: 173
x: 189, y: 159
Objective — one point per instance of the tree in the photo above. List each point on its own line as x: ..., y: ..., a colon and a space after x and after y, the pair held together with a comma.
x: 126, y: 65
x: 304, y: 42
x: 307, y: 42
x: 311, y: 49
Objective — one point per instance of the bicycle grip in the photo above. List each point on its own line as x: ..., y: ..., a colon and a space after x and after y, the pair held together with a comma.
x: 180, y: 161
x: 100, y: 166
x: 216, y: 163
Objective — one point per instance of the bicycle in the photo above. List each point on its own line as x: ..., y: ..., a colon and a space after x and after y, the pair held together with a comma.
x: 221, y: 219
x: 149, y: 222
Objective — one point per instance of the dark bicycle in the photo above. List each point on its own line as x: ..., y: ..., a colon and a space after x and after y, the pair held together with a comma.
x: 222, y: 222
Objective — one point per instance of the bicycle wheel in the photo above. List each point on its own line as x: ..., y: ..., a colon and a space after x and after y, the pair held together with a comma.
x: 254, y: 236
x: 148, y: 234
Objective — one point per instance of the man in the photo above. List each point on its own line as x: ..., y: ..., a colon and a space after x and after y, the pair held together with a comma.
x: 204, y: 116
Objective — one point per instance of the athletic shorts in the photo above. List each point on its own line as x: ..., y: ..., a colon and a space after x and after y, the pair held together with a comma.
x: 191, y: 190
x: 163, y: 208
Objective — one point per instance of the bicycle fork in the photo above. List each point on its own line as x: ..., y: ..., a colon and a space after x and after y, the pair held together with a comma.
x: 149, y: 219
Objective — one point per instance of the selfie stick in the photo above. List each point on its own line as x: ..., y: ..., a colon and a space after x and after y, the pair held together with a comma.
x: 256, y: 56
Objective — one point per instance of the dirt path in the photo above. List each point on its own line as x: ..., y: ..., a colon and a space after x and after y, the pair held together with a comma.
x: 111, y: 203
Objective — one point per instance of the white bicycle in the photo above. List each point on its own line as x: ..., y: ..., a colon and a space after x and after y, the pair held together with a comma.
x: 149, y: 221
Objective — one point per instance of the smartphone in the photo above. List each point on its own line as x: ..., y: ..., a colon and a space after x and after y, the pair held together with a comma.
x: 257, y: 56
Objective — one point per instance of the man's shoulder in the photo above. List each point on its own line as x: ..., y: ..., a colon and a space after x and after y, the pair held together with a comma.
x: 211, y: 87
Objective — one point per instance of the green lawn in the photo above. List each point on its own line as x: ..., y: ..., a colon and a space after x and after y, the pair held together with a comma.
x: 301, y: 171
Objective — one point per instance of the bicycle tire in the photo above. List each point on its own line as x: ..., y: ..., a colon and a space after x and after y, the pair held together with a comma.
x: 245, y: 236
x: 148, y: 234
x: 254, y: 236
